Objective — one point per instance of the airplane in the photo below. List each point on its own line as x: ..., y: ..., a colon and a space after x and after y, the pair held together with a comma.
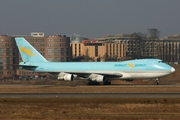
x: 94, y: 72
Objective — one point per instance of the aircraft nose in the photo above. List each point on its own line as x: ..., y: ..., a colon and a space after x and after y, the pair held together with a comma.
x: 172, y: 70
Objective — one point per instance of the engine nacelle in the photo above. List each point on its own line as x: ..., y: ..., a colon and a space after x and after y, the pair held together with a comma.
x: 65, y: 76
x: 98, y: 78
x: 68, y: 77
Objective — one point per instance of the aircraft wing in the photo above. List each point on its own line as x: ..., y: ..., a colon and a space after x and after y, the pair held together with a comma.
x: 106, y: 74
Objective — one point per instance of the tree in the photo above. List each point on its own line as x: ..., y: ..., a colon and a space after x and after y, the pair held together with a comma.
x: 86, y: 56
x: 87, y: 52
x: 154, y: 33
x: 137, y: 46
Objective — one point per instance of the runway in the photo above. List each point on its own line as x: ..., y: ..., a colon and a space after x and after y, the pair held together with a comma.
x: 86, y: 95
x: 115, y: 91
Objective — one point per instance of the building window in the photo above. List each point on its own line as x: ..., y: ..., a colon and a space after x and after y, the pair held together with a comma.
x: 62, y: 51
x: 55, y: 51
x: 50, y: 59
x: 67, y: 59
x: 1, y: 51
x: 67, y: 51
x: 117, y: 50
x: 50, y: 44
x: 96, y: 51
x: 14, y: 51
x: 14, y: 60
x: 55, y: 59
x: 1, y: 63
x: 62, y: 59
x: 49, y: 51
x: 8, y: 62
x: 7, y: 51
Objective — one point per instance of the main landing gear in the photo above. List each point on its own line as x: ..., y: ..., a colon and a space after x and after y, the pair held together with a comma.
x: 157, y: 81
x: 93, y: 83
x: 107, y: 82
x: 97, y: 83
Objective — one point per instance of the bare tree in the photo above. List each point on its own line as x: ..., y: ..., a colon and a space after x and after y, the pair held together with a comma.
x: 87, y: 52
x: 154, y: 36
x: 137, y: 45
x: 86, y: 56
x: 154, y: 33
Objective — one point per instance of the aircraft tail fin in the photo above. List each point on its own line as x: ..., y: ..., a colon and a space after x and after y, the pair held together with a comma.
x: 28, y: 53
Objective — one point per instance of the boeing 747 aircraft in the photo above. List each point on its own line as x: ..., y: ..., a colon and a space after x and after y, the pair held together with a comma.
x: 94, y: 72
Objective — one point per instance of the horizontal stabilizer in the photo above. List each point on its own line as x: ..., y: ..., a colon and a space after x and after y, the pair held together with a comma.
x: 28, y: 65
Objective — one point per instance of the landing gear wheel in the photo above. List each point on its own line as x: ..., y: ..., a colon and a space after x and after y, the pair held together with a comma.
x: 157, y: 81
x: 107, y: 83
x: 93, y: 83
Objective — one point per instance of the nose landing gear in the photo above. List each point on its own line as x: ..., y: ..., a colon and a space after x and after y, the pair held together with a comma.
x: 157, y: 81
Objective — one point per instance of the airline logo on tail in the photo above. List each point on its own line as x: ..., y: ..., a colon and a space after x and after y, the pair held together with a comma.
x: 26, y: 51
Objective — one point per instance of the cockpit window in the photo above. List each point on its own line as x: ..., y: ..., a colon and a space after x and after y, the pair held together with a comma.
x: 161, y: 61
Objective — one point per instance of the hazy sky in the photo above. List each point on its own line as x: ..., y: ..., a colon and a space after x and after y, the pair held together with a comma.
x: 90, y: 18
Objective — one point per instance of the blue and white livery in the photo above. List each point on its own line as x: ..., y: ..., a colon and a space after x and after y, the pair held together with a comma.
x: 95, y: 72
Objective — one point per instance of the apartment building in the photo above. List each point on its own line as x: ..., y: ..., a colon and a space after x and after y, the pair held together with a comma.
x: 99, y: 51
x: 170, y: 49
x: 167, y: 49
x: 135, y: 48
x: 8, y: 56
x: 54, y: 48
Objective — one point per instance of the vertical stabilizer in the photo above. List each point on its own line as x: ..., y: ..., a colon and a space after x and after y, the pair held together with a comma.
x: 28, y: 52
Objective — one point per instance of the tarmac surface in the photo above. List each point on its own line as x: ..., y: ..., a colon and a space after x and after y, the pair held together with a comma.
x: 80, y: 95
x: 121, y: 91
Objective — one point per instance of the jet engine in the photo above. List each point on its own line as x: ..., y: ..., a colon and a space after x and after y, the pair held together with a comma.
x: 98, y: 78
x: 65, y: 76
